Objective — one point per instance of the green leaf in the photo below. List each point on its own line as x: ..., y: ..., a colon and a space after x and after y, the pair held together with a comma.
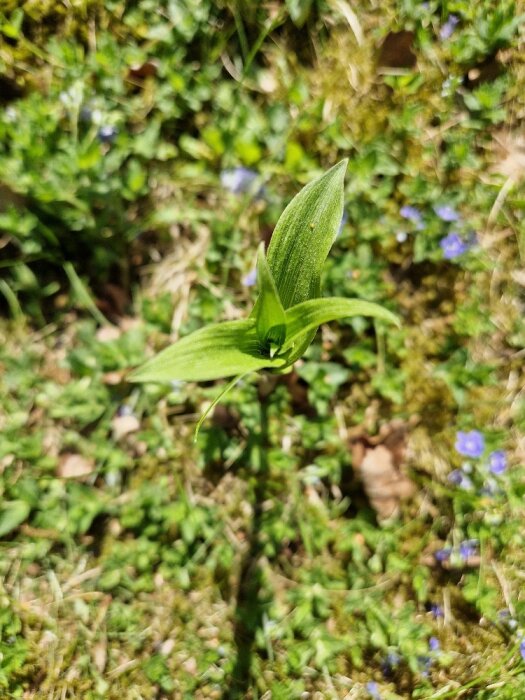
x: 309, y: 315
x: 216, y: 351
x: 13, y: 514
x: 304, y: 235
x: 270, y: 319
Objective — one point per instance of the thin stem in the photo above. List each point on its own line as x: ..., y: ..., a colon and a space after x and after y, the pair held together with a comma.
x: 251, y: 604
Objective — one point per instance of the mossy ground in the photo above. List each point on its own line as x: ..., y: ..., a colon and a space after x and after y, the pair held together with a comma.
x: 137, y: 564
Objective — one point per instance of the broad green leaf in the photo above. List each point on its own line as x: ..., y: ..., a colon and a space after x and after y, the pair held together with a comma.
x: 216, y: 351
x: 270, y: 319
x: 309, y: 315
x: 304, y: 235
x: 13, y: 514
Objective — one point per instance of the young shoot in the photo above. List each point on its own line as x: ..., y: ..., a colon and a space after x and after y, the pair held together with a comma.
x: 289, y: 308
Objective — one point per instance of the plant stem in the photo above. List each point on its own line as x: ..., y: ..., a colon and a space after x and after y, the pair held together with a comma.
x: 251, y: 604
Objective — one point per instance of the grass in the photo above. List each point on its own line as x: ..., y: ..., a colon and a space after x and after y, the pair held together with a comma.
x: 137, y: 564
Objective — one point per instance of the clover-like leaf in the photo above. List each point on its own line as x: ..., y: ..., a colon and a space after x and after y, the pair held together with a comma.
x: 215, y: 351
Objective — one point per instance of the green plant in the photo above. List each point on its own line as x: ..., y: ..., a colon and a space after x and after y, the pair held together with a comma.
x: 288, y: 310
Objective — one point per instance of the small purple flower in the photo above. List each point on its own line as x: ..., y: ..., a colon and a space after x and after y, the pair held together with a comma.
x: 107, y: 133
x: 522, y: 649
x: 433, y: 644
x: 470, y: 444
x: 250, y: 279
x: 238, y: 180
x: 497, y: 462
x: 446, y: 213
x: 425, y: 662
x: 490, y: 488
x: 412, y: 214
x: 436, y: 610
x: 505, y: 618
x: 453, y: 245
x: 442, y: 555
x: 448, y: 28
x: 373, y: 690
x: 390, y: 663
x: 459, y: 478
x: 468, y: 548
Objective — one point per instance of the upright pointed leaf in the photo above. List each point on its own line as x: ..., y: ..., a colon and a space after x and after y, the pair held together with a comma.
x: 304, y: 235
x: 216, y: 351
x: 309, y: 315
x: 270, y: 319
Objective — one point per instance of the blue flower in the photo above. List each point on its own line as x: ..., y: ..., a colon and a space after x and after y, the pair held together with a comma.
x: 389, y: 663
x: 446, y: 212
x: 468, y: 548
x: 442, y: 555
x: 425, y: 662
x: 470, y: 444
x: 413, y: 215
x: 250, y: 279
x: 433, y: 644
x: 459, y: 478
x: 453, y: 245
x: 107, y: 133
x: 238, y: 180
x: 497, y: 462
x: 448, y: 28
x: 436, y: 610
x: 373, y: 690
x: 505, y: 617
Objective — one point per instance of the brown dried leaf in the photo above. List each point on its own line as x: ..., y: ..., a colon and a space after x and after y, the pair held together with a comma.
x: 378, y: 462
x: 100, y: 655
x: 106, y: 334
x: 124, y: 425
x: 384, y: 485
x: 396, y: 50
x: 73, y: 466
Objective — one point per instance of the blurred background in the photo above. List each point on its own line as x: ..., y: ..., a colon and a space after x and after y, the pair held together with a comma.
x: 146, y: 148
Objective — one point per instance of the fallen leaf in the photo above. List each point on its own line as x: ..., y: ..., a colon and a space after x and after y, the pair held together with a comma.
x: 73, y: 466
x: 114, y: 378
x: 106, y: 334
x: 396, y: 50
x: 124, y: 425
x: 378, y: 463
x: 100, y: 655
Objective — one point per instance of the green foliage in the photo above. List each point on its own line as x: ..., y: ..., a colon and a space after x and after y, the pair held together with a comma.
x: 287, y: 313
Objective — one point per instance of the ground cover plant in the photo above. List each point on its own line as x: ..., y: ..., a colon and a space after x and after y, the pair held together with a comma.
x: 365, y: 540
